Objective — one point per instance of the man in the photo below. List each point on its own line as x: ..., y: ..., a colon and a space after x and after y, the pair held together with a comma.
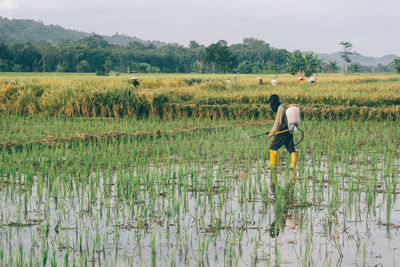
x: 135, y: 81
x: 274, y: 81
x: 280, y: 139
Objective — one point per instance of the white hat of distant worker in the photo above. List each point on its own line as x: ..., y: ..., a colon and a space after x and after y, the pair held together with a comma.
x: 312, y: 79
x: 134, y: 78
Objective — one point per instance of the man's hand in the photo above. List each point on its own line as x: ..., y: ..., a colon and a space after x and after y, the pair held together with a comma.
x: 270, y: 134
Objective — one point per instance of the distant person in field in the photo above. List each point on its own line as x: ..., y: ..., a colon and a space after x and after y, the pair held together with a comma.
x: 135, y: 81
x: 274, y: 81
x: 301, y: 79
x: 260, y: 80
x: 312, y: 79
x: 228, y: 81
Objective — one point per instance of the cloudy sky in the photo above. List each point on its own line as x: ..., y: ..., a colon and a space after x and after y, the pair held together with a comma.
x: 373, y: 26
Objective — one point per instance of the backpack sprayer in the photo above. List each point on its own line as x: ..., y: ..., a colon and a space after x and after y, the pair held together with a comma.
x: 293, y: 118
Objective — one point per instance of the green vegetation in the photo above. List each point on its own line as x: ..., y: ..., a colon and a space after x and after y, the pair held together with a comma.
x: 396, y: 64
x: 30, y: 46
x: 193, y: 198
x: 94, y: 54
x: 96, y: 172
x: 346, y: 53
x: 26, y: 30
x: 305, y: 63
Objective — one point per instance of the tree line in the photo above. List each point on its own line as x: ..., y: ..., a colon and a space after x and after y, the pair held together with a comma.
x: 94, y: 54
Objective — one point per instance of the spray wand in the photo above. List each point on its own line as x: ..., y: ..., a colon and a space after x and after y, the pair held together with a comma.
x: 268, y: 133
x: 287, y: 130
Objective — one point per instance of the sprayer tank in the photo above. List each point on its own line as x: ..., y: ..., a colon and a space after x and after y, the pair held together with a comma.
x: 293, y: 116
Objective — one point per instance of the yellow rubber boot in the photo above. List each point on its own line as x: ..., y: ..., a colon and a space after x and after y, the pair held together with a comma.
x: 273, y: 156
x: 293, y: 160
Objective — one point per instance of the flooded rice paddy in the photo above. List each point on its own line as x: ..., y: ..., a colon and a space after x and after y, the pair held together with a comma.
x: 205, y: 199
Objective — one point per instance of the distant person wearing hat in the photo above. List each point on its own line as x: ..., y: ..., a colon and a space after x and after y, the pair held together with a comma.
x: 312, y: 79
x: 260, y: 80
x: 278, y: 131
x: 301, y: 79
x: 135, y: 81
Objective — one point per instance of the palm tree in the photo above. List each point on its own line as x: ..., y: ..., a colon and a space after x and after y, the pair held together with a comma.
x: 333, y: 66
x: 355, y: 67
x: 304, y: 62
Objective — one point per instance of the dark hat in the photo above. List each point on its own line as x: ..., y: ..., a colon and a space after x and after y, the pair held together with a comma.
x: 273, y: 98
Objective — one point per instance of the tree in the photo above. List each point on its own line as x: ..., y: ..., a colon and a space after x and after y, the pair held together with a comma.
x: 396, y: 64
x: 304, y: 62
x: 245, y: 67
x: 193, y: 45
x: 347, y: 51
x: 60, y: 68
x: 4, y: 56
x: 152, y: 69
x: 3, y: 65
x: 26, y: 56
x: 220, y: 57
x: 108, y: 65
x: 95, y: 41
x: 45, y: 49
x: 67, y: 55
x: 82, y: 66
x: 355, y: 67
x: 258, y: 51
x: 198, y: 66
x: 333, y: 66
x: 142, y: 67
x: 383, y: 68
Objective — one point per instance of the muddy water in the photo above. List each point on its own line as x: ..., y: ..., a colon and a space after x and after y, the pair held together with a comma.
x: 197, y: 215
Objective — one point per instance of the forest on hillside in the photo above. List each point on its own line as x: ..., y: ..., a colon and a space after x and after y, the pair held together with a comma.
x: 31, y: 46
x: 94, y: 54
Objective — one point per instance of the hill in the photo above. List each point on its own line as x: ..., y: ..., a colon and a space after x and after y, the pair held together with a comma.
x: 363, y: 60
x: 26, y: 30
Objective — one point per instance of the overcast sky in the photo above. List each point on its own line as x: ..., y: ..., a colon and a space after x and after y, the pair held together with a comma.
x: 373, y: 26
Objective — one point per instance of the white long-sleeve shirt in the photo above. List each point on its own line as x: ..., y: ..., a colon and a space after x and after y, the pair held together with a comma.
x: 278, y: 120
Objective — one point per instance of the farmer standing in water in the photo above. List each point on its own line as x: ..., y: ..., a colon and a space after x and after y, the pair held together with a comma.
x: 280, y: 139
x: 282, y: 136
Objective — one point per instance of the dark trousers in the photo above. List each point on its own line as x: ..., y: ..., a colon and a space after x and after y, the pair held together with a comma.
x: 283, y: 139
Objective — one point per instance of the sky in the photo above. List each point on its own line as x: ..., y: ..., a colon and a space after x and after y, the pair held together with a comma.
x: 372, y: 26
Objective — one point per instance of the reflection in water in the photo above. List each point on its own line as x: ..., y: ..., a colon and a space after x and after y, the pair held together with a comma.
x: 285, y: 214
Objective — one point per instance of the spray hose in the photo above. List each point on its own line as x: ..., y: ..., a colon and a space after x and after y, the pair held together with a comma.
x: 302, y: 136
x: 287, y: 130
